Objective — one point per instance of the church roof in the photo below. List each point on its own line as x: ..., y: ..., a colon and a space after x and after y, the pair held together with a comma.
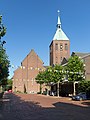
x: 82, y: 55
x: 31, y: 53
x: 59, y: 35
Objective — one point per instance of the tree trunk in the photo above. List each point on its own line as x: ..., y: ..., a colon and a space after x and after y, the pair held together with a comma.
x: 58, y: 89
x: 48, y: 90
x: 40, y: 88
x: 74, y: 93
x: 74, y: 88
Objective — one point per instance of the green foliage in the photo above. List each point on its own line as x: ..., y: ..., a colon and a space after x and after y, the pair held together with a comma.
x: 84, y: 86
x: 51, y: 74
x: 2, y: 28
x: 4, y: 65
x: 4, y: 62
x: 9, y: 84
x: 40, y: 78
x: 58, y: 73
x: 75, y: 69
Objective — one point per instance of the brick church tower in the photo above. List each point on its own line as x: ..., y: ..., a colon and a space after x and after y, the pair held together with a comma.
x: 60, y: 45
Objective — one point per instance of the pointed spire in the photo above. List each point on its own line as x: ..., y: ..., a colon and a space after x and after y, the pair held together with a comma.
x: 59, y: 35
x: 59, y: 22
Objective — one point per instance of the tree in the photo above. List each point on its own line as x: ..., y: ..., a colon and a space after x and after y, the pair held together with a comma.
x: 54, y: 74
x: 9, y: 84
x: 40, y: 79
x: 83, y: 86
x: 4, y: 62
x: 75, y: 69
x: 58, y: 73
x: 48, y: 78
x: 2, y: 29
x: 51, y: 75
x: 58, y: 76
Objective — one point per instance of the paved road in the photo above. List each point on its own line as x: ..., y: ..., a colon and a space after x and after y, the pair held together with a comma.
x: 38, y: 107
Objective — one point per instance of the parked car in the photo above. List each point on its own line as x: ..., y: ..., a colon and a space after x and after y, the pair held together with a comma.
x: 80, y: 96
x: 10, y: 91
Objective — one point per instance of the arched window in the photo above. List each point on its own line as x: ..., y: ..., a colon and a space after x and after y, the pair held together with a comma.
x: 56, y: 46
x: 66, y: 46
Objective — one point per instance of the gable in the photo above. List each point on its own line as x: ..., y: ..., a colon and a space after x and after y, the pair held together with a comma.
x: 32, y: 59
x: 64, y: 61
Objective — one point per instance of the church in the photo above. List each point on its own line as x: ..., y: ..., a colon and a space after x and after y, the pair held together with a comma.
x: 60, y: 45
x: 59, y: 50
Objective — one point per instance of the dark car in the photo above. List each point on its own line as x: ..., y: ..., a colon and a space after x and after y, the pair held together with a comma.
x: 80, y: 96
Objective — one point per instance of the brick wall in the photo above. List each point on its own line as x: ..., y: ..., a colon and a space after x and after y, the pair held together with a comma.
x: 87, y: 66
x: 24, y: 77
x: 58, y: 51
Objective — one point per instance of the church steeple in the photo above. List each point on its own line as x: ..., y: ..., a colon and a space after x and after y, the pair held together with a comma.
x: 59, y: 22
x: 60, y: 45
x: 59, y: 35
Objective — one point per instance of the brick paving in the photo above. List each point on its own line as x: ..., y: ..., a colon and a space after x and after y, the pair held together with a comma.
x: 40, y: 107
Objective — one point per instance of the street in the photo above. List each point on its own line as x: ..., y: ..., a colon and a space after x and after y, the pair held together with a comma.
x: 40, y: 107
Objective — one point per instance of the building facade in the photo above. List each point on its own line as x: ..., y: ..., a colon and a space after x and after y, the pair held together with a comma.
x: 86, y: 60
x: 24, y: 76
x: 60, y: 46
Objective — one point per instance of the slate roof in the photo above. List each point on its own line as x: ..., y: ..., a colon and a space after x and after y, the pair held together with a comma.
x: 82, y: 55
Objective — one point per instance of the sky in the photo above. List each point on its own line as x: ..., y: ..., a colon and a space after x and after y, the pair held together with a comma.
x: 31, y: 24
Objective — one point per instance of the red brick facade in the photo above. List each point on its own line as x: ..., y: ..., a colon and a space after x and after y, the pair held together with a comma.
x: 24, y: 76
x: 59, y: 49
x: 86, y: 60
x: 85, y: 57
